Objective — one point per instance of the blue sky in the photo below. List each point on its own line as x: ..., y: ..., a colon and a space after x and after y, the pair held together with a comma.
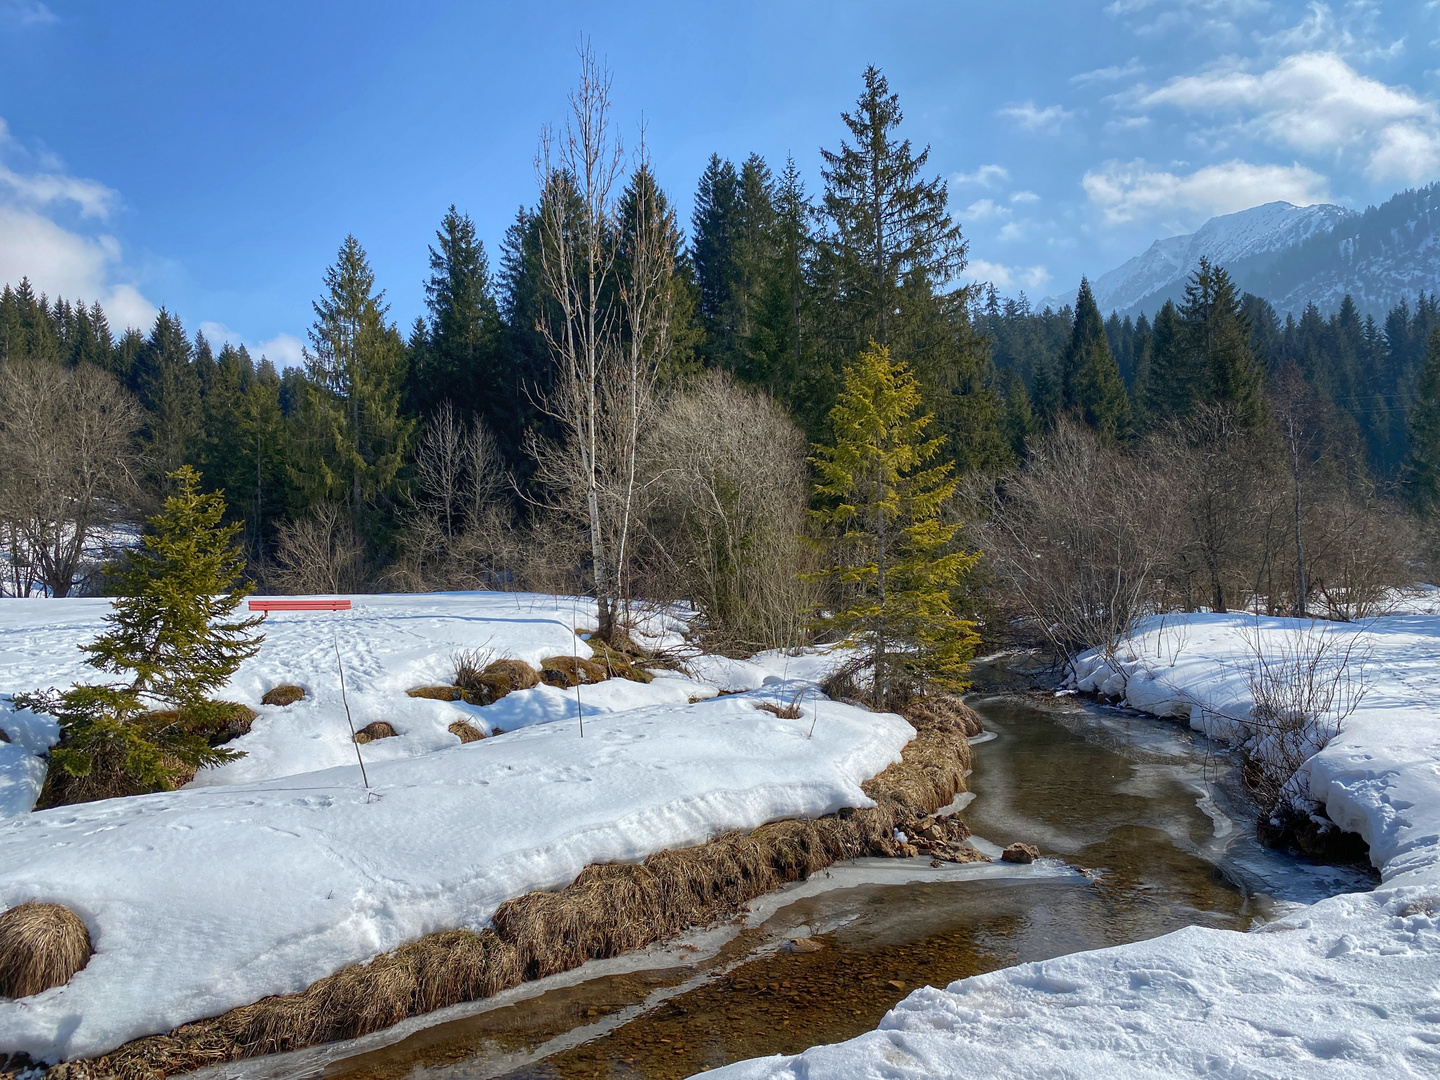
x: 211, y: 158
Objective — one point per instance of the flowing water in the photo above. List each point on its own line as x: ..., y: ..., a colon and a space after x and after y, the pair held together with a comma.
x: 1145, y: 829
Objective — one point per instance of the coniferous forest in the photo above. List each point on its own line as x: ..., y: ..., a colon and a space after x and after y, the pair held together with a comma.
x: 621, y: 403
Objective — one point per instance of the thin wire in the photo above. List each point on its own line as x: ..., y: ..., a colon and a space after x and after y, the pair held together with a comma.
x: 348, y: 719
x: 575, y: 654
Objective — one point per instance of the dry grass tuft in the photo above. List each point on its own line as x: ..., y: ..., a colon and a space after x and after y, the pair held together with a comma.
x: 485, y: 689
x: 784, y: 712
x: 620, y: 662
x: 482, y: 679
x: 606, y: 910
x: 520, y: 675
x: 41, y: 945
x: 377, y: 729
x: 945, y: 707
x: 436, y: 693
x: 285, y: 694
x: 466, y: 732
x: 568, y: 671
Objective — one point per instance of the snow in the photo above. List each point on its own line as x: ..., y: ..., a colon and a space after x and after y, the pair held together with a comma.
x: 270, y: 873
x: 1224, y: 240
x: 1346, y: 987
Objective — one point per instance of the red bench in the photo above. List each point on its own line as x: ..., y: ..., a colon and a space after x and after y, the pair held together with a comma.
x: 299, y: 605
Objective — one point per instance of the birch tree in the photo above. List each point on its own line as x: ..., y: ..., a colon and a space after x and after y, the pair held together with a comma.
x: 606, y: 264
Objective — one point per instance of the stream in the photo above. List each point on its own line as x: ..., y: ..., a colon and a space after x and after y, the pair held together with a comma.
x: 1145, y: 829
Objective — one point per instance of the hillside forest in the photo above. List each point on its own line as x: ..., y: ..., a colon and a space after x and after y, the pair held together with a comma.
x: 616, y: 404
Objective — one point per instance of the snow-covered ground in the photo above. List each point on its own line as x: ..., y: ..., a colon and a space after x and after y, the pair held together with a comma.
x: 270, y: 873
x: 1347, y: 987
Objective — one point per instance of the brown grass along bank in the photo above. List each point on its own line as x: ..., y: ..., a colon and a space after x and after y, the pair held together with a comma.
x: 607, y: 910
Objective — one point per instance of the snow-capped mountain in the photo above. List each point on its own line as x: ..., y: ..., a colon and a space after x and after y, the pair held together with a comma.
x: 1291, y: 256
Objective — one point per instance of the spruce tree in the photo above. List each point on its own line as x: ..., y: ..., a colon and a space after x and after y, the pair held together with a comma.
x: 174, y: 635
x: 169, y: 387
x: 895, y: 562
x: 712, y: 226
x: 526, y: 375
x: 1218, y: 340
x: 892, y: 227
x: 775, y: 349
x: 1173, y: 386
x: 355, y: 435
x: 459, y: 356
x: 1422, y: 462
x: 1090, y: 384
x: 886, y: 270
x: 644, y: 210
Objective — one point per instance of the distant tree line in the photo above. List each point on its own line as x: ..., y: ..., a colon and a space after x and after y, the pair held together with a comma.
x: 1366, y: 372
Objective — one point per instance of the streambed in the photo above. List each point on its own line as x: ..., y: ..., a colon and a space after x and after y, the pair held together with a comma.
x: 1145, y: 828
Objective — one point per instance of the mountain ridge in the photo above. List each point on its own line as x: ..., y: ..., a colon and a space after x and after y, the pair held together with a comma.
x: 1291, y: 256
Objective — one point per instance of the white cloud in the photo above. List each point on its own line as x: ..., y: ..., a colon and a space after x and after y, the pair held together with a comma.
x: 1352, y: 33
x: 1014, y: 230
x: 1317, y: 103
x: 1125, y: 191
x: 49, y: 189
x: 1114, y: 73
x: 1211, y: 15
x: 46, y: 187
x: 986, y: 176
x: 26, y: 13
x: 1008, y: 277
x: 125, y: 306
x: 1033, y: 118
x: 58, y: 260
x: 282, y: 350
x: 1024, y: 197
x: 985, y: 210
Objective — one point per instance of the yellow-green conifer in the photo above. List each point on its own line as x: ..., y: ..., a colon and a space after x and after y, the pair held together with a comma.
x: 894, y: 561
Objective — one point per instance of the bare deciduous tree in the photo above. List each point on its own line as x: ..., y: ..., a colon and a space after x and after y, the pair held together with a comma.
x: 728, y: 486
x: 456, y: 537
x: 578, y: 171
x: 1077, y: 535
x: 318, y: 554
x: 608, y: 280
x: 68, y: 470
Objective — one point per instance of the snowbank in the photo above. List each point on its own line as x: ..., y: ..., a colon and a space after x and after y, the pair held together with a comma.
x: 216, y: 895
x: 1344, y: 988
x: 388, y: 644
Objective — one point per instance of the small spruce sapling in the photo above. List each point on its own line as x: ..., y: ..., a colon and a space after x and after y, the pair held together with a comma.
x: 173, y: 631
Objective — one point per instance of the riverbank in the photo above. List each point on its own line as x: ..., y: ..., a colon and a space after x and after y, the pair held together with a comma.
x: 204, y: 901
x: 1342, y: 987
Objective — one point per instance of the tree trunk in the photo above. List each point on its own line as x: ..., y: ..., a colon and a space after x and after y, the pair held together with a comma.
x: 880, y: 672
x: 1301, y: 588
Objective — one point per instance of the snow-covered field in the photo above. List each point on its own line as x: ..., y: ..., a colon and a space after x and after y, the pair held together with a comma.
x: 1347, y: 987
x: 270, y: 873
